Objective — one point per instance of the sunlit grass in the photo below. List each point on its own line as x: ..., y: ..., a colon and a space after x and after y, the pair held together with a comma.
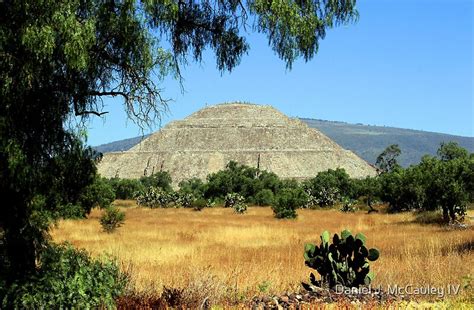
x: 174, y: 247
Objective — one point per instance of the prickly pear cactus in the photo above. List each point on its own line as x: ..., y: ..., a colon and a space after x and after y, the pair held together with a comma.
x: 347, y: 205
x: 231, y: 199
x: 345, y: 261
x: 154, y: 197
x: 240, y: 208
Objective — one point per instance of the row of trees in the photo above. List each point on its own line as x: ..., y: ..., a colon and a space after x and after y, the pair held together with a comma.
x: 443, y: 182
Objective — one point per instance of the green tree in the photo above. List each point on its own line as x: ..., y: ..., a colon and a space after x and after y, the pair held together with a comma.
x: 161, y: 179
x: 451, y: 150
x: 435, y: 183
x: 387, y: 160
x: 287, y: 201
x: 126, y: 188
x: 236, y: 178
x: 193, y: 186
x: 330, y: 186
x: 60, y: 58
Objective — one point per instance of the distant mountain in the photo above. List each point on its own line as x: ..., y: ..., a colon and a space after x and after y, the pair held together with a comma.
x: 369, y: 141
x: 120, y: 145
x: 364, y: 140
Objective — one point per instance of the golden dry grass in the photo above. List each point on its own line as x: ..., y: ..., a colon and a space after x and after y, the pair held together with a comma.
x: 181, y: 247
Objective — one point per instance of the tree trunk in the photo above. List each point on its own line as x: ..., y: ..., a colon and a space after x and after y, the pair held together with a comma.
x: 19, y: 239
x: 452, y: 214
x: 445, y: 215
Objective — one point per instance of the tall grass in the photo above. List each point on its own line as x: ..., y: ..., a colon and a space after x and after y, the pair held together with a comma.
x: 233, y: 255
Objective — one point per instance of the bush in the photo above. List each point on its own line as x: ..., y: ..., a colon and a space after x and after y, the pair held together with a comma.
x: 429, y: 217
x: 184, y: 200
x: 240, y: 208
x: 112, y: 219
x: 264, y: 197
x: 154, y: 197
x: 66, y: 278
x: 126, y: 188
x: 287, y: 201
x: 161, y: 179
x: 210, y: 203
x: 231, y: 199
x: 241, y: 179
x: 71, y: 211
x: 98, y: 194
x: 347, y: 205
x: 199, y: 204
x: 329, y: 186
x: 193, y: 186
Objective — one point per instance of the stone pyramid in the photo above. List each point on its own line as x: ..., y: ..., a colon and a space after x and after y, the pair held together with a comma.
x: 250, y: 134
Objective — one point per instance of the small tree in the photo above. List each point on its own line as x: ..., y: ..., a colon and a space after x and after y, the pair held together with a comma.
x: 265, y: 197
x: 287, y: 201
x: 126, y: 188
x: 451, y: 150
x: 328, y: 187
x: 100, y: 193
x: 387, y: 160
x: 160, y: 179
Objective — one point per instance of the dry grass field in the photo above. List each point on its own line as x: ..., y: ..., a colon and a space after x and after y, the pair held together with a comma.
x: 224, y: 253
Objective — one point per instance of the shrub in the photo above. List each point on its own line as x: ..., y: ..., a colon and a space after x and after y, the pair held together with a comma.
x: 193, y: 186
x: 210, y: 203
x: 287, y: 201
x: 126, y: 188
x: 199, y: 204
x: 327, y: 196
x: 112, y: 219
x: 235, y: 201
x: 100, y: 193
x: 347, y: 205
x: 154, y: 197
x: 66, y: 278
x: 97, y: 194
x: 244, y: 180
x: 161, y: 179
x: 240, y: 208
x: 329, y: 186
x: 70, y: 211
x: 231, y: 199
x: 429, y: 217
x: 264, y: 197
x: 185, y: 200
x: 344, y: 262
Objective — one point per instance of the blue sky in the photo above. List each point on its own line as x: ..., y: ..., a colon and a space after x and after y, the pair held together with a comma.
x: 406, y: 63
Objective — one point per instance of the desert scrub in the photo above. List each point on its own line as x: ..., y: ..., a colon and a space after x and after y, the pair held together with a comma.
x: 112, y: 219
x: 66, y: 278
x: 287, y: 201
x: 199, y: 204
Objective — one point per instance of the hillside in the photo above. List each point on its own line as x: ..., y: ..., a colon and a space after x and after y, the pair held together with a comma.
x: 364, y: 140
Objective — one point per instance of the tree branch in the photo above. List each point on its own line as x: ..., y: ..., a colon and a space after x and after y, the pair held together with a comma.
x: 109, y: 93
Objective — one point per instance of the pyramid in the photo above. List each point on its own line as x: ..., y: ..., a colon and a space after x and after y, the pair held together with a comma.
x: 254, y: 135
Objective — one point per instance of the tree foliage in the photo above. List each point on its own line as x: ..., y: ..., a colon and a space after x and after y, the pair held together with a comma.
x: 328, y: 187
x: 60, y: 58
x: 241, y: 179
x: 161, y: 179
x: 67, y: 278
x: 387, y: 160
x: 435, y: 183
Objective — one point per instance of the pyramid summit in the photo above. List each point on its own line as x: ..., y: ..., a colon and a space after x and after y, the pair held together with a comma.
x: 250, y: 134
